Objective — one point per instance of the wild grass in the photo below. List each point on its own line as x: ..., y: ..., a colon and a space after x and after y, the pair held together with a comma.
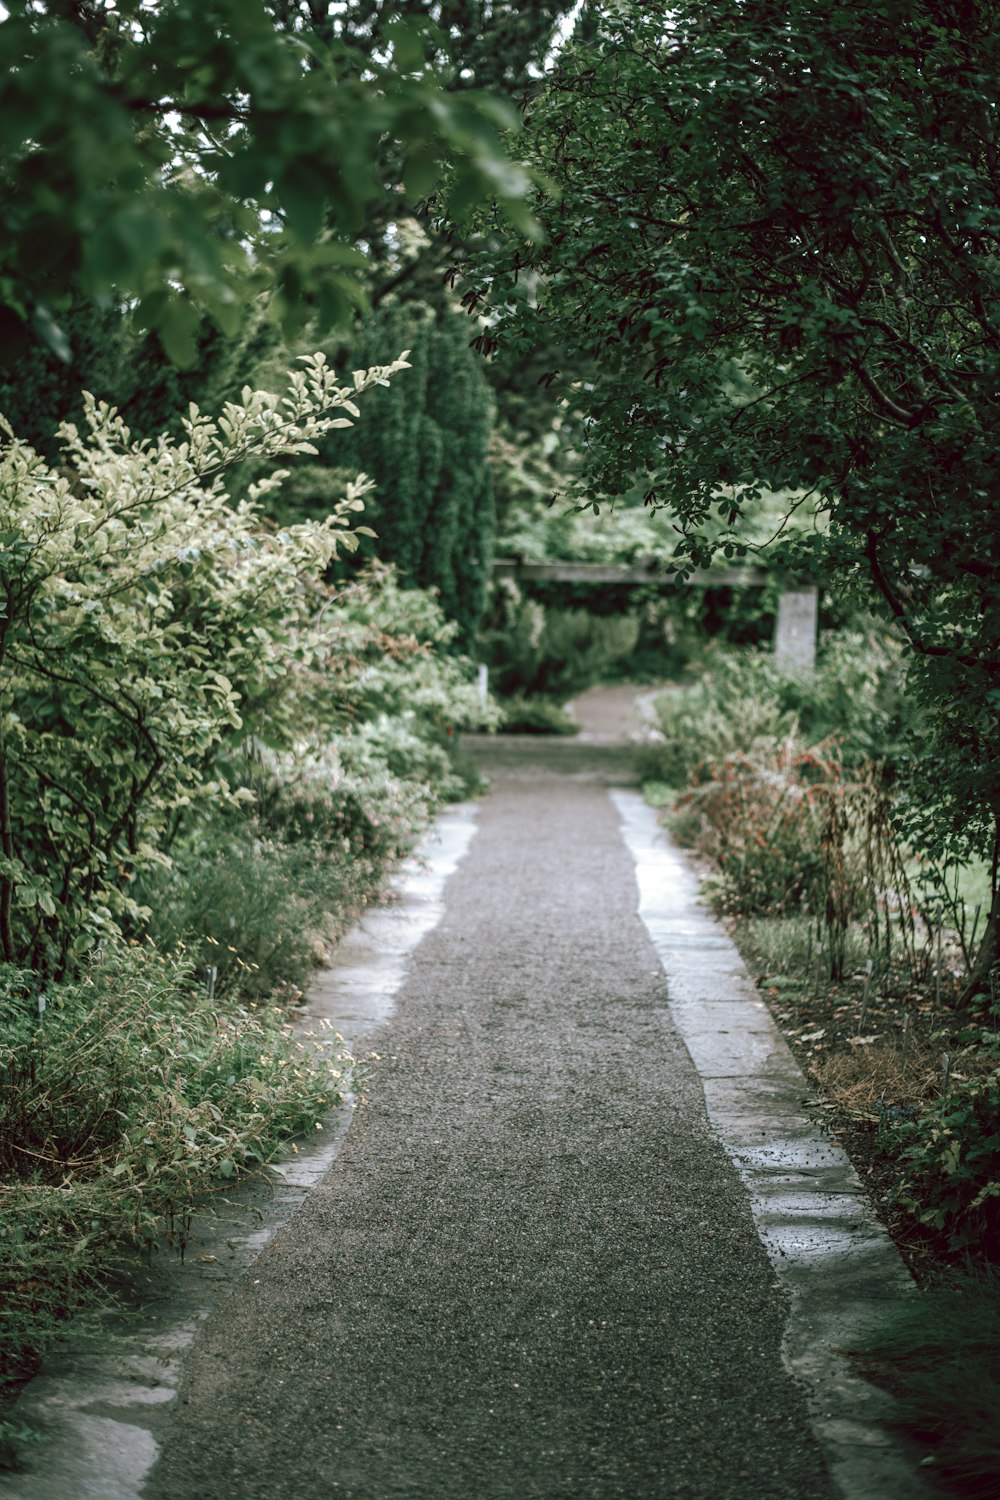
x: 126, y: 1095
x: 255, y: 908
x: 883, y: 1076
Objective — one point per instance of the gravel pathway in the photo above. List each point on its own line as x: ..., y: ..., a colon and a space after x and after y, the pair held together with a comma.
x: 532, y: 1271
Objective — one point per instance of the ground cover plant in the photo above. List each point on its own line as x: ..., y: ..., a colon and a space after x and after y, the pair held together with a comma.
x: 128, y: 1092
x: 939, y: 1358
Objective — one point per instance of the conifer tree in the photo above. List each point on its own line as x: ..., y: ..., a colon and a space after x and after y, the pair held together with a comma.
x: 426, y: 448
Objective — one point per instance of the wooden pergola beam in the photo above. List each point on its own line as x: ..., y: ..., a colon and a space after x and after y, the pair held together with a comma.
x: 649, y: 571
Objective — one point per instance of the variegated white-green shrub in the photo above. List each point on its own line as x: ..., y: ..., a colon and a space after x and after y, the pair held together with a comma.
x: 144, y: 616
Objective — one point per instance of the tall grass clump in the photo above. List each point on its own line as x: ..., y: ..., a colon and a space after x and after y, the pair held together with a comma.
x: 785, y: 781
x: 790, y: 833
x: 126, y: 1094
x: 742, y: 699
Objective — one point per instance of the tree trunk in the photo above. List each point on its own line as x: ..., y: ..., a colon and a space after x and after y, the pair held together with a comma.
x: 7, y: 949
x: 988, y: 952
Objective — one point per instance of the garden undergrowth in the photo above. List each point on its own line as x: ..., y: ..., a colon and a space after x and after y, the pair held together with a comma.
x: 862, y: 948
x: 127, y: 1095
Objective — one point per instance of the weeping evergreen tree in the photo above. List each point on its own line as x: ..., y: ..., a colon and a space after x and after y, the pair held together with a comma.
x: 424, y: 441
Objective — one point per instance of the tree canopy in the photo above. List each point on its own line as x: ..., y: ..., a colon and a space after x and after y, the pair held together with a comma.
x: 190, y: 154
x: 776, y: 240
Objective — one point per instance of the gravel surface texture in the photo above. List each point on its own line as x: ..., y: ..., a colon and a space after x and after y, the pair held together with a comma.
x: 532, y: 1270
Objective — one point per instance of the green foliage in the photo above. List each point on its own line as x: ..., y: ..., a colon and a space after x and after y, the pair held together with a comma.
x: 709, y: 157
x: 795, y: 822
x: 949, y: 1161
x: 858, y: 693
x: 260, y: 895
x: 145, y: 620
x: 204, y: 741
x: 731, y: 704
x: 741, y: 699
x: 553, y: 653
x: 368, y: 792
x: 536, y: 528
x: 784, y: 949
x: 776, y: 241
x: 790, y: 833
x: 39, y: 392
x: 763, y: 816
x: 189, y: 155
x: 407, y: 665
x: 426, y: 448
x: 257, y: 908
x: 123, y: 1100
x: 536, y: 716
x: 13, y: 1434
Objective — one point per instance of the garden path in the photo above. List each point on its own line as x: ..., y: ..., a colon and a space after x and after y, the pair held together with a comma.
x: 533, y: 1269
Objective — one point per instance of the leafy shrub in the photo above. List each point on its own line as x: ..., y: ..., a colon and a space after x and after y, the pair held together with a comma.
x: 259, y: 895
x: 145, y: 612
x: 404, y: 767
x: 732, y: 706
x: 741, y: 699
x: 950, y: 1168
x: 856, y: 694
x: 403, y: 662
x: 122, y: 1101
x: 367, y: 794
x: 536, y: 716
x: 554, y: 653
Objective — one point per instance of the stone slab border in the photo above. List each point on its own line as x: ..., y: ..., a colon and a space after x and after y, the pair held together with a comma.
x: 836, y: 1261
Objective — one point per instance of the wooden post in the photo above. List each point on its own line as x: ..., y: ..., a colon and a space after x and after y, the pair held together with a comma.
x: 795, y: 630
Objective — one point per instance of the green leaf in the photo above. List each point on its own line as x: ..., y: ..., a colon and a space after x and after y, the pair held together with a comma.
x: 177, y: 325
x: 407, y: 44
x: 52, y: 333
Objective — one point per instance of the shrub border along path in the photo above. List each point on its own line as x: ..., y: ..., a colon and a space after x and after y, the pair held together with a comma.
x: 712, y: 1000
x: 533, y: 1271
x: 98, y: 1405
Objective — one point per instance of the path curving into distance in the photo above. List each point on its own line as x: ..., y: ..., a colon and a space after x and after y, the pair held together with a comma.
x: 534, y: 1268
